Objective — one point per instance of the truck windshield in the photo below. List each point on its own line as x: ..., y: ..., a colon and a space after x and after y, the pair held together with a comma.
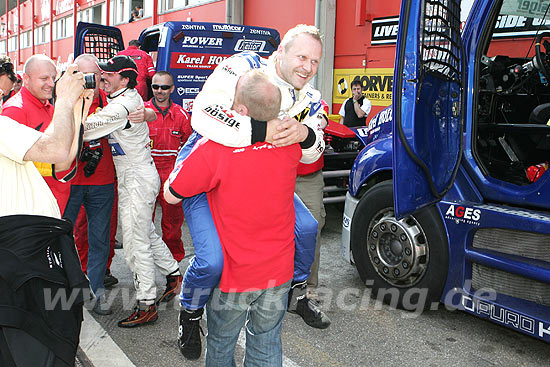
x: 525, y: 8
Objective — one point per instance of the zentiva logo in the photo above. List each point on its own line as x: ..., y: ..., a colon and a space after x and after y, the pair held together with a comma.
x: 195, y: 60
x: 463, y: 214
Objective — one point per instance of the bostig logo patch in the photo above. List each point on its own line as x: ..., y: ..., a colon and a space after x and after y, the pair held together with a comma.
x: 222, y: 115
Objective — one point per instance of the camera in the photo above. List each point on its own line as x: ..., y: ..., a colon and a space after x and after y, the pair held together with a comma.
x: 92, y: 158
x: 89, y: 81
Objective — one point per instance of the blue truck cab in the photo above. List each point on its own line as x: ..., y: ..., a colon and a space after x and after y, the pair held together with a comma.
x: 449, y: 200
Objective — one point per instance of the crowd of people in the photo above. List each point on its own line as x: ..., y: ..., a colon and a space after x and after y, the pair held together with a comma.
x: 251, y: 193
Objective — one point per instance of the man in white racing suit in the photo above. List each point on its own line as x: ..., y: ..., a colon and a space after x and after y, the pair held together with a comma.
x: 138, y: 186
x: 291, y: 68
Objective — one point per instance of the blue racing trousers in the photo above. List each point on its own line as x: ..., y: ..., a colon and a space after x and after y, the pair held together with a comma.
x: 205, y: 268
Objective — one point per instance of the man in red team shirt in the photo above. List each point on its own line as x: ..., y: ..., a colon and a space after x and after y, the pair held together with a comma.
x: 31, y: 107
x: 145, y: 66
x: 93, y: 187
x: 168, y: 132
x: 250, y: 191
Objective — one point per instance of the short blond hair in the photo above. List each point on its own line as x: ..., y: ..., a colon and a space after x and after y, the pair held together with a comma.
x: 298, y: 30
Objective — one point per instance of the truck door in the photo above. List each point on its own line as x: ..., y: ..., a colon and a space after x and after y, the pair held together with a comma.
x: 102, y: 41
x: 427, y: 103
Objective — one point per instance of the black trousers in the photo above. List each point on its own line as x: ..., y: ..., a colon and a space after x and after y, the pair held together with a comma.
x: 42, y: 290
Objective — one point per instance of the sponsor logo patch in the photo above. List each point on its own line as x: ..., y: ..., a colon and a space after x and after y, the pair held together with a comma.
x: 250, y: 45
x: 346, y: 222
x: 193, y: 27
x: 462, y: 214
x: 222, y: 115
x: 260, y: 31
x: 196, y: 60
x: 191, y: 41
x: 227, y: 28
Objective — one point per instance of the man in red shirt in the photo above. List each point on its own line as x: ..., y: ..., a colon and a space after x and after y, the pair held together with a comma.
x: 250, y: 191
x: 168, y: 132
x: 31, y: 107
x: 145, y: 66
x: 93, y: 187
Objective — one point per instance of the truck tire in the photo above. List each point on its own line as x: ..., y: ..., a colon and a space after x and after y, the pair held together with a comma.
x: 404, y: 261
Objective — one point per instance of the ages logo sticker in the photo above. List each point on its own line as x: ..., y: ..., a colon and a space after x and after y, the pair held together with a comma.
x: 462, y: 214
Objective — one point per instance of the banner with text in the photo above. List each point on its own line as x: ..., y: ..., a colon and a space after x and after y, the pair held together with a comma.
x: 377, y: 84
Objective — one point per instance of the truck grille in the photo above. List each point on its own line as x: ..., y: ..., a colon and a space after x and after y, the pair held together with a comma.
x: 510, y: 284
x: 531, y: 245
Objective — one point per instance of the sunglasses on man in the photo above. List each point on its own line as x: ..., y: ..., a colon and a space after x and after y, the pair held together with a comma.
x: 163, y: 87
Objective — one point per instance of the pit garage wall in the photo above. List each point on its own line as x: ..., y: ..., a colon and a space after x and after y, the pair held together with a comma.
x: 355, y: 57
x: 351, y: 21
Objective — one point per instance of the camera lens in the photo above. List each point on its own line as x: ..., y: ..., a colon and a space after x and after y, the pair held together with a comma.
x: 89, y: 81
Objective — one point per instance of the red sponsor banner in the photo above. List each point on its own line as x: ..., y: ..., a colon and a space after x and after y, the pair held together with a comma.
x: 187, y: 60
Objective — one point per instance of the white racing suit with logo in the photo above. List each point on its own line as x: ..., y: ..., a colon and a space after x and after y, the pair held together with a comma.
x: 138, y: 186
x: 213, y: 119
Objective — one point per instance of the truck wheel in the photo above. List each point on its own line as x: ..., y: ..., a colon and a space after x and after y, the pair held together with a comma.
x: 404, y: 261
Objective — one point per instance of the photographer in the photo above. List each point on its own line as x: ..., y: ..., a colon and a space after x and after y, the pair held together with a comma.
x: 31, y: 107
x: 32, y: 332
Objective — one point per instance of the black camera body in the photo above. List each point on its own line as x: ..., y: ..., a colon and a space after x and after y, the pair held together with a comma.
x: 89, y: 81
x: 92, y: 158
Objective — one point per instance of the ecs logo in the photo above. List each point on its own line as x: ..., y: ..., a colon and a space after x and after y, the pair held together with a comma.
x: 463, y: 214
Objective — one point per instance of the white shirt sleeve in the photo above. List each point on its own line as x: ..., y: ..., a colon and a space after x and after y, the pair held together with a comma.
x: 366, y: 107
x: 16, y: 139
x: 342, y: 111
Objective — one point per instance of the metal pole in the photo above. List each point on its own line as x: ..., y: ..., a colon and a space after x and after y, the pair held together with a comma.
x: 155, y: 12
x: 18, y: 32
x: 51, y: 29
x: 7, y: 28
x: 108, y: 3
x: 75, y: 13
x: 33, y: 27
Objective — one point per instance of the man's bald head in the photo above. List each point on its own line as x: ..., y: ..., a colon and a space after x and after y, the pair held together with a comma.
x: 87, y: 64
x: 261, y: 97
x: 37, y: 62
x: 39, y: 76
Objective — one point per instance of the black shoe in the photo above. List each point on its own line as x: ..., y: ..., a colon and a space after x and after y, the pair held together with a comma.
x: 109, y: 281
x: 309, y: 310
x: 189, y: 334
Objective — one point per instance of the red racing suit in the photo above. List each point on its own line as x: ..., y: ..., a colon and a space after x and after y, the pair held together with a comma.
x: 145, y: 67
x: 168, y: 133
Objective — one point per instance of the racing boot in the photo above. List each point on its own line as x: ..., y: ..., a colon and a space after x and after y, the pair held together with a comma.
x: 307, y: 308
x: 173, y: 286
x: 143, y: 314
x: 189, y: 334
